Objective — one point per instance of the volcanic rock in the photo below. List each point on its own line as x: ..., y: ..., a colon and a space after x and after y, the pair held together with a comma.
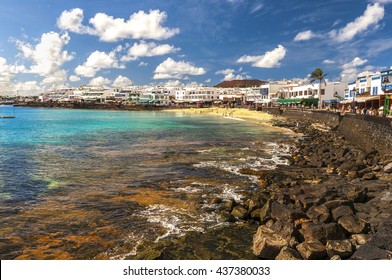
x: 352, y: 224
x: 312, y: 250
x: 267, y: 244
x: 342, y: 248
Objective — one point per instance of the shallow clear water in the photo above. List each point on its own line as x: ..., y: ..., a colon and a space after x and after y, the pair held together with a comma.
x: 86, y: 184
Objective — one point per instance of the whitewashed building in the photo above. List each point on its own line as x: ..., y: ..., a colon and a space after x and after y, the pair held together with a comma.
x: 197, y: 95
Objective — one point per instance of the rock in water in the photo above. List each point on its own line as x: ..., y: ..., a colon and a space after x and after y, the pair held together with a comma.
x: 239, y: 212
x: 267, y: 244
x: 265, y: 212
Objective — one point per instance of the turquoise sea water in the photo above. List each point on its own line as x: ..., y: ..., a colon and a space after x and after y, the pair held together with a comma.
x: 86, y: 184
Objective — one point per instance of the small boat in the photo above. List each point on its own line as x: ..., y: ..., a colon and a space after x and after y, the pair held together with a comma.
x: 7, y: 117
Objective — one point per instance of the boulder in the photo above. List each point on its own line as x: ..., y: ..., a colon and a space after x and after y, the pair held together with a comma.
x: 388, y: 168
x: 295, y: 192
x: 360, y: 239
x: 323, y: 232
x: 370, y: 252
x: 336, y: 203
x: 267, y: 244
x: 341, y: 211
x: 255, y: 214
x: 279, y: 211
x: 352, y: 174
x: 341, y: 248
x: 353, y: 224
x: 225, y: 217
x: 265, y: 212
x: 318, y: 213
x: 357, y: 195
x: 369, y: 176
x: 285, y: 229
x: 239, y: 212
x: 288, y: 253
x: 312, y: 250
x: 228, y: 205
x: 255, y: 202
x: 306, y: 201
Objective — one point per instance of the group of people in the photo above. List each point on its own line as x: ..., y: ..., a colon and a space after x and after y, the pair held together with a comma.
x: 364, y: 111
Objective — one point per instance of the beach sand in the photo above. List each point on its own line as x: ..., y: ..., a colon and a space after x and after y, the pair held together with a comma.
x: 239, y: 114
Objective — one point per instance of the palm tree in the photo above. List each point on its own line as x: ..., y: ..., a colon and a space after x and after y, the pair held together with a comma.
x: 319, y: 75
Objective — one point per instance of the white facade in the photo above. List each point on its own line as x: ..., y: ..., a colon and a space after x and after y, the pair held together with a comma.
x: 327, y: 91
x: 375, y: 85
x: 197, y: 95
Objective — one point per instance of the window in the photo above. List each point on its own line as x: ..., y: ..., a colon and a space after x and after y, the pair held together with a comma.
x: 322, y: 91
x: 375, y: 91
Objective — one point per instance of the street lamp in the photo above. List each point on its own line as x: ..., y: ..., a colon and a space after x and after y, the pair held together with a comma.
x: 353, y: 107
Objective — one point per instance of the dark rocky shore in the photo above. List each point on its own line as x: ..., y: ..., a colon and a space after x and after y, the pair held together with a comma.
x: 328, y: 204
x: 333, y: 201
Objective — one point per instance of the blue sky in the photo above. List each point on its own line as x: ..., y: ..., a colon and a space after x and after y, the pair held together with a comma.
x: 45, y: 44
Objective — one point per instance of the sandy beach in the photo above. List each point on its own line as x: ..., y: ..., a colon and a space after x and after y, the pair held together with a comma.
x: 239, y: 114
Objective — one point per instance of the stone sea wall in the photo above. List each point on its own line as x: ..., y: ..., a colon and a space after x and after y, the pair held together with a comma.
x: 366, y: 132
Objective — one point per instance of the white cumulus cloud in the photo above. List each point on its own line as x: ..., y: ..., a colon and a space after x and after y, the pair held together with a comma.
x: 229, y: 75
x: 100, y: 81
x: 121, y: 81
x: 382, y: 1
x: 171, y: 69
x: 74, y: 78
x: 304, y: 36
x: 72, y: 20
x: 48, y: 55
x: 57, y: 79
x: 268, y: 60
x: 140, y: 25
x: 8, y: 69
x: 371, y: 17
x: 144, y: 49
x: 350, y: 70
x: 97, y: 61
x: 7, y: 74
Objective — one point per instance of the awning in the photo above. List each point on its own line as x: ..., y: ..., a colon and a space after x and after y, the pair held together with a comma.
x: 366, y: 98
x: 331, y: 101
x: 289, y: 101
x: 264, y: 101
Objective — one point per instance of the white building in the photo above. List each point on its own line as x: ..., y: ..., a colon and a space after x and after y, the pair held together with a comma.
x: 159, y: 96
x: 197, y: 95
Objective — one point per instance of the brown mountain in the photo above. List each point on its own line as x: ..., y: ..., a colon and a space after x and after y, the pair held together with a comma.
x: 241, y: 83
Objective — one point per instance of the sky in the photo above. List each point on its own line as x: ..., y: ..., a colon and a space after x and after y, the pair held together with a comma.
x: 48, y: 44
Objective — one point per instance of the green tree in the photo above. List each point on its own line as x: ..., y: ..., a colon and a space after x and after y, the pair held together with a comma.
x: 318, y: 75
